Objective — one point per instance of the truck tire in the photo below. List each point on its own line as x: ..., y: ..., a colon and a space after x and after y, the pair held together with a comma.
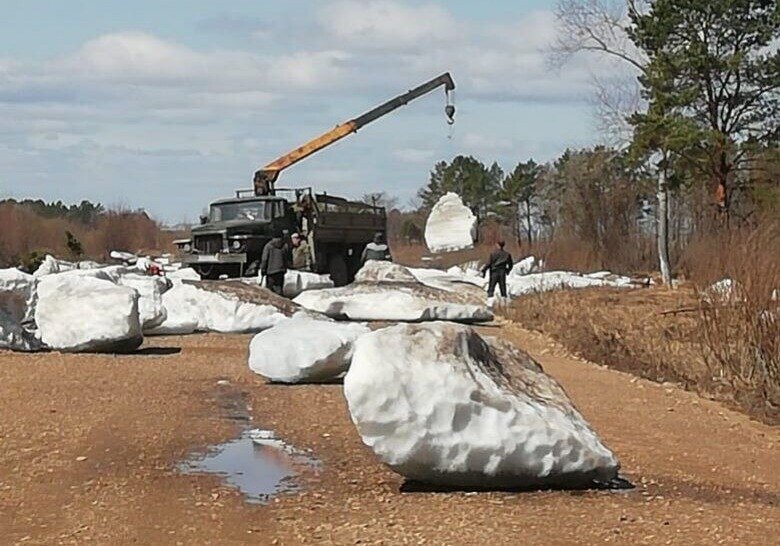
x: 214, y: 271
x: 337, y: 267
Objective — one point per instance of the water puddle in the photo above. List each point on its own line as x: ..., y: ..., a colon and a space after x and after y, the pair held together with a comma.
x: 257, y: 463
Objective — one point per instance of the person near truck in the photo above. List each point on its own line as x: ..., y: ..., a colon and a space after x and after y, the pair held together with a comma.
x: 274, y: 263
x: 376, y: 250
x: 301, y: 257
x: 499, y: 265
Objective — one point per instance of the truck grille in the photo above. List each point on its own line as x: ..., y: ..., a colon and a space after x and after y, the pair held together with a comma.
x: 208, y: 244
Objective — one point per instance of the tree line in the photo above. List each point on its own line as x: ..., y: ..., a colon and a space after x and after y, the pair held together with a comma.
x: 700, y: 148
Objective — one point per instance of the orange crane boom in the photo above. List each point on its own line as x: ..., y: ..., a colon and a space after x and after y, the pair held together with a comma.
x: 266, y: 177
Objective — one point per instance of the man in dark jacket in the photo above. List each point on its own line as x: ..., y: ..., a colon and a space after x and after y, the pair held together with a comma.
x: 376, y: 250
x: 274, y: 263
x: 499, y: 265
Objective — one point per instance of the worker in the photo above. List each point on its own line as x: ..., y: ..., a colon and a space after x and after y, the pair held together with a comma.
x: 499, y: 264
x: 274, y: 263
x: 301, y: 257
x: 376, y: 250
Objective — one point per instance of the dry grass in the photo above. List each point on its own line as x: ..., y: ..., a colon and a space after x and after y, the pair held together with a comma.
x: 740, y: 330
x: 633, y: 331
x: 24, y: 232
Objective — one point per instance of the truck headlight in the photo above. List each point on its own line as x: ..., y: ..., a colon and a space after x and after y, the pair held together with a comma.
x: 187, y: 247
x: 236, y: 245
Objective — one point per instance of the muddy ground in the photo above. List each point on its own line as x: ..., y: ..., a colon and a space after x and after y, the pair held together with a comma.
x: 89, y: 446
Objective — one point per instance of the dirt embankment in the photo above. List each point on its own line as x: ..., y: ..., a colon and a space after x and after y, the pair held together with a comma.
x: 653, y: 333
x: 89, y: 446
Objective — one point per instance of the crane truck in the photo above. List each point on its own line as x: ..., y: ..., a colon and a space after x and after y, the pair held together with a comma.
x: 230, y: 239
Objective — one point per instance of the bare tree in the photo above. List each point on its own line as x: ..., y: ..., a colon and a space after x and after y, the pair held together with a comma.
x: 599, y: 27
x: 380, y: 199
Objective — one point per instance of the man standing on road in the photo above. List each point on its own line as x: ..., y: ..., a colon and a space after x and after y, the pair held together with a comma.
x: 274, y: 263
x: 376, y: 250
x: 499, y: 264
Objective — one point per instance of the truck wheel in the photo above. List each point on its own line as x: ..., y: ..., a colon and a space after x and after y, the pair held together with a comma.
x: 214, y: 271
x: 209, y: 272
x: 337, y: 267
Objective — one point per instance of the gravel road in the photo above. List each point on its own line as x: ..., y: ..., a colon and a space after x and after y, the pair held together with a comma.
x: 89, y: 446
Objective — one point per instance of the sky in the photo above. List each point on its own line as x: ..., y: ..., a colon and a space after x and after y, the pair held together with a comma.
x: 168, y: 104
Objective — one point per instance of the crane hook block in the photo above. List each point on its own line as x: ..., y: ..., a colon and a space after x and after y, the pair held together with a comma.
x: 449, y: 111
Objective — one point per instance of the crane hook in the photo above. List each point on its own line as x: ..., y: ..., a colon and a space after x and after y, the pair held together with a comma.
x: 449, y: 109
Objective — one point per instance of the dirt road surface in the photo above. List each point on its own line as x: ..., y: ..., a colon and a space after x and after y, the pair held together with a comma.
x: 89, y: 446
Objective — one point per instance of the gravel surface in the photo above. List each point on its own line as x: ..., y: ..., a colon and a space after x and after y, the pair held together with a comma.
x: 89, y: 445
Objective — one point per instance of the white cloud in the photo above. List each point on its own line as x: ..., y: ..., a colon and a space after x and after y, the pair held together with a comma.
x: 414, y: 155
x: 120, y: 97
x: 388, y: 25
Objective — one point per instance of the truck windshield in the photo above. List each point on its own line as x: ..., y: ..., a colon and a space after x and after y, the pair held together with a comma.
x: 255, y: 211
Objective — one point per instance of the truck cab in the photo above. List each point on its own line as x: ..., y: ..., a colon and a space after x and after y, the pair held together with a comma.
x: 230, y: 240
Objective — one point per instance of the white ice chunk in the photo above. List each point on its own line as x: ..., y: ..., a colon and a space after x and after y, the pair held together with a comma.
x: 440, y: 404
x: 526, y: 266
x: 221, y: 306
x: 17, y: 303
x: 379, y: 270
x: 296, y: 282
x: 302, y: 349
x: 451, y: 225
x: 86, y: 313
x: 185, y: 273
x: 395, y: 301
x: 150, y: 291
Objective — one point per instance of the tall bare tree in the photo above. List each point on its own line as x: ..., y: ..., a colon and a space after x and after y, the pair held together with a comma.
x: 601, y: 27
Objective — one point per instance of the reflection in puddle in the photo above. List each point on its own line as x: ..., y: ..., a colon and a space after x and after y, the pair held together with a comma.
x: 257, y: 464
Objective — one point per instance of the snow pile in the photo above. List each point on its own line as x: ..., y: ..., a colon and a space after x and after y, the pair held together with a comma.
x: 86, y: 313
x: 451, y: 225
x: 440, y: 404
x: 526, y: 266
x: 395, y: 301
x: 17, y: 301
x: 221, y: 306
x: 304, y: 350
x: 560, y: 280
x: 722, y: 291
x: 150, y: 290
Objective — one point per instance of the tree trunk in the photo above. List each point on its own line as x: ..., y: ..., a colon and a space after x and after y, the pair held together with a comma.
x: 663, y: 227
x: 528, y: 221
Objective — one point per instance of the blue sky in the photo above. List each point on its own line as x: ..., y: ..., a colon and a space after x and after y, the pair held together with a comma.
x: 166, y: 105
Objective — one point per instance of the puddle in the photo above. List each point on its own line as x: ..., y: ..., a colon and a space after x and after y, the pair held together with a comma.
x: 257, y: 463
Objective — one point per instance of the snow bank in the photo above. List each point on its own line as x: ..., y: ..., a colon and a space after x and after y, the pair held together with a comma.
x: 86, y: 313
x: 451, y: 225
x: 395, y: 301
x: 17, y: 301
x: 304, y: 350
x: 221, y: 306
x: 440, y: 404
x: 518, y: 285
